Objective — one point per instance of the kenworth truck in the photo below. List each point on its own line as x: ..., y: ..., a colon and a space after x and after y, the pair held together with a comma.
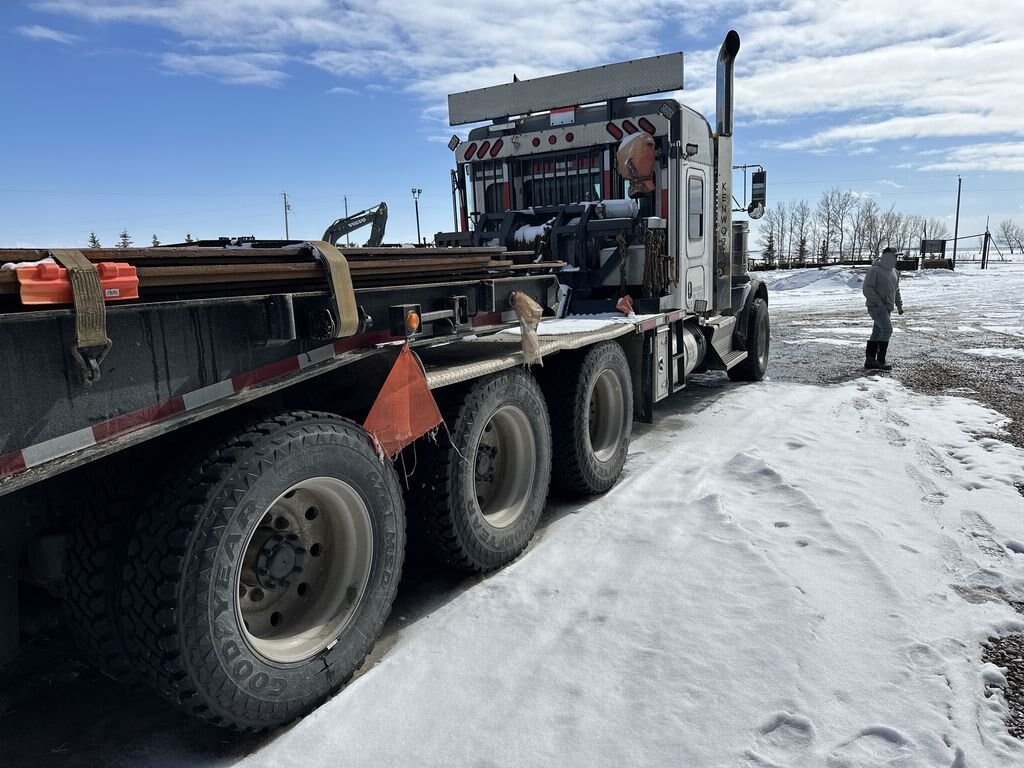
x: 218, y: 452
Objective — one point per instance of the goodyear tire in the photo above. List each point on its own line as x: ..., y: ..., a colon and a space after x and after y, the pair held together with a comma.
x: 592, y: 419
x: 485, y: 482
x: 758, y: 344
x: 258, y: 580
x: 92, y: 573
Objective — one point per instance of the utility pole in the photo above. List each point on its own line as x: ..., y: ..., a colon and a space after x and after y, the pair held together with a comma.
x: 287, y: 208
x: 956, y: 221
x: 348, y: 238
x: 984, y: 247
x: 416, y: 200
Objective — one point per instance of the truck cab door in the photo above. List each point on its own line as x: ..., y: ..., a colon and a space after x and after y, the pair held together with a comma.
x: 696, y: 197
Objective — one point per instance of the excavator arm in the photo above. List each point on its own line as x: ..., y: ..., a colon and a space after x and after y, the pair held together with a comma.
x: 377, y: 217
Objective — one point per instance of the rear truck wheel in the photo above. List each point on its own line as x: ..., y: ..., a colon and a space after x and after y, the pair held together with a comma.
x: 486, y: 481
x: 758, y: 344
x: 259, y: 579
x: 591, y: 420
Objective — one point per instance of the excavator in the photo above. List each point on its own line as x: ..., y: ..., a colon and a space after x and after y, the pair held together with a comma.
x: 377, y: 217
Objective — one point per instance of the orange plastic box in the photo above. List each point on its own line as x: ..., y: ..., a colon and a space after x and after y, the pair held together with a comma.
x: 49, y: 284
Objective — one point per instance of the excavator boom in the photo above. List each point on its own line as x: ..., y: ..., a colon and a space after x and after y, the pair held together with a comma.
x: 377, y: 217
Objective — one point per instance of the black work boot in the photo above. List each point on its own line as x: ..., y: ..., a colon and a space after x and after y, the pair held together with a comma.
x: 871, y: 356
x: 880, y: 364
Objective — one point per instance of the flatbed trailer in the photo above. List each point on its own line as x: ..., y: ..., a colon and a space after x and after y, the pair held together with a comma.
x: 218, y: 453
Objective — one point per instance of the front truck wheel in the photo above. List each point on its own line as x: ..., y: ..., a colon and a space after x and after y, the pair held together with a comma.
x: 485, y: 483
x: 258, y: 580
x: 592, y: 419
x: 758, y: 343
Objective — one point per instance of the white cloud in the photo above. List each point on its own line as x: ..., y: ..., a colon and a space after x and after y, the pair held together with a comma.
x: 342, y: 90
x: 39, y: 32
x: 239, y: 69
x: 868, y: 72
x: 991, y: 156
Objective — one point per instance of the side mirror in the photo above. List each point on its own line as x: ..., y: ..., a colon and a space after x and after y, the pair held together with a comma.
x: 758, y: 194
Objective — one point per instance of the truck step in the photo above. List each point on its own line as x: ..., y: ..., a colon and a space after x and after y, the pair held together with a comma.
x: 735, y: 357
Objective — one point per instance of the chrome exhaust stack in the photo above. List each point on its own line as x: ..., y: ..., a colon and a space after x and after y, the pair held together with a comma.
x: 723, y: 171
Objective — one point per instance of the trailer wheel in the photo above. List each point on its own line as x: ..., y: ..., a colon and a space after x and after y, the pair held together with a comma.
x: 100, y: 502
x: 592, y: 419
x: 259, y: 579
x: 758, y: 343
x: 92, y: 573
x: 486, y: 482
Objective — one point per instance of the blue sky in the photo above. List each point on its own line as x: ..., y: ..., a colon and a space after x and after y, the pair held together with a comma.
x: 174, y: 116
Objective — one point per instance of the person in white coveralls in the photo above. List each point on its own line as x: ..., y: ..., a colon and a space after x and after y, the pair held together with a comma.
x: 882, y: 291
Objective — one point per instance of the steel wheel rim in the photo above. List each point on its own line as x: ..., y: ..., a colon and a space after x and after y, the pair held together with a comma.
x: 505, y: 464
x: 605, y: 423
x: 320, y: 526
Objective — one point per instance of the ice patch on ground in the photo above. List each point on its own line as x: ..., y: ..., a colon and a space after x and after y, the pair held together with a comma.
x: 819, y: 340
x: 1008, y: 330
x: 842, y: 330
x: 1001, y: 354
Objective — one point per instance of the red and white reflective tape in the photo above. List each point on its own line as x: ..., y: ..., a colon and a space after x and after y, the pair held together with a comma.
x: 57, y: 447
x: 658, y: 320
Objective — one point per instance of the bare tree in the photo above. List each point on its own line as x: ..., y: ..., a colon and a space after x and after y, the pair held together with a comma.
x: 864, y: 224
x: 888, y: 230
x: 826, y: 218
x: 783, y: 225
x: 845, y: 205
x: 908, y: 231
x: 934, y: 229
x: 1009, y: 234
x: 801, y: 220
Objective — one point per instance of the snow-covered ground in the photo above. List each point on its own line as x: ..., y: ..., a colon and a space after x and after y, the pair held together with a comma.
x: 786, y: 575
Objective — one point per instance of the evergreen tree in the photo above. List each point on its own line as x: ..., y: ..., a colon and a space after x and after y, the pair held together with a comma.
x: 769, y: 249
x: 156, y: 241
x: 188, y: 237
x: 125, y: 240
x: 94, y: 242
x: 802, y: 251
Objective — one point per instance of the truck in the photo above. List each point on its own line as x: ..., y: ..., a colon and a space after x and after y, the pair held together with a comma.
x: 218, y: 453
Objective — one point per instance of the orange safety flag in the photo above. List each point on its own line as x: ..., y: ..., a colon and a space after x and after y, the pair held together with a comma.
x: 404, y: 409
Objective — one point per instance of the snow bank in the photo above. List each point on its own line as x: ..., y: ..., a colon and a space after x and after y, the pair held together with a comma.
x: 829, y: 278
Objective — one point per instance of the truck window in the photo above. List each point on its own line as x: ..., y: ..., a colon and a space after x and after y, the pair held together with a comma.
x: 695, y: 208
x: 494, y: 198
x: 487, y: 183
x: 557, y: 179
